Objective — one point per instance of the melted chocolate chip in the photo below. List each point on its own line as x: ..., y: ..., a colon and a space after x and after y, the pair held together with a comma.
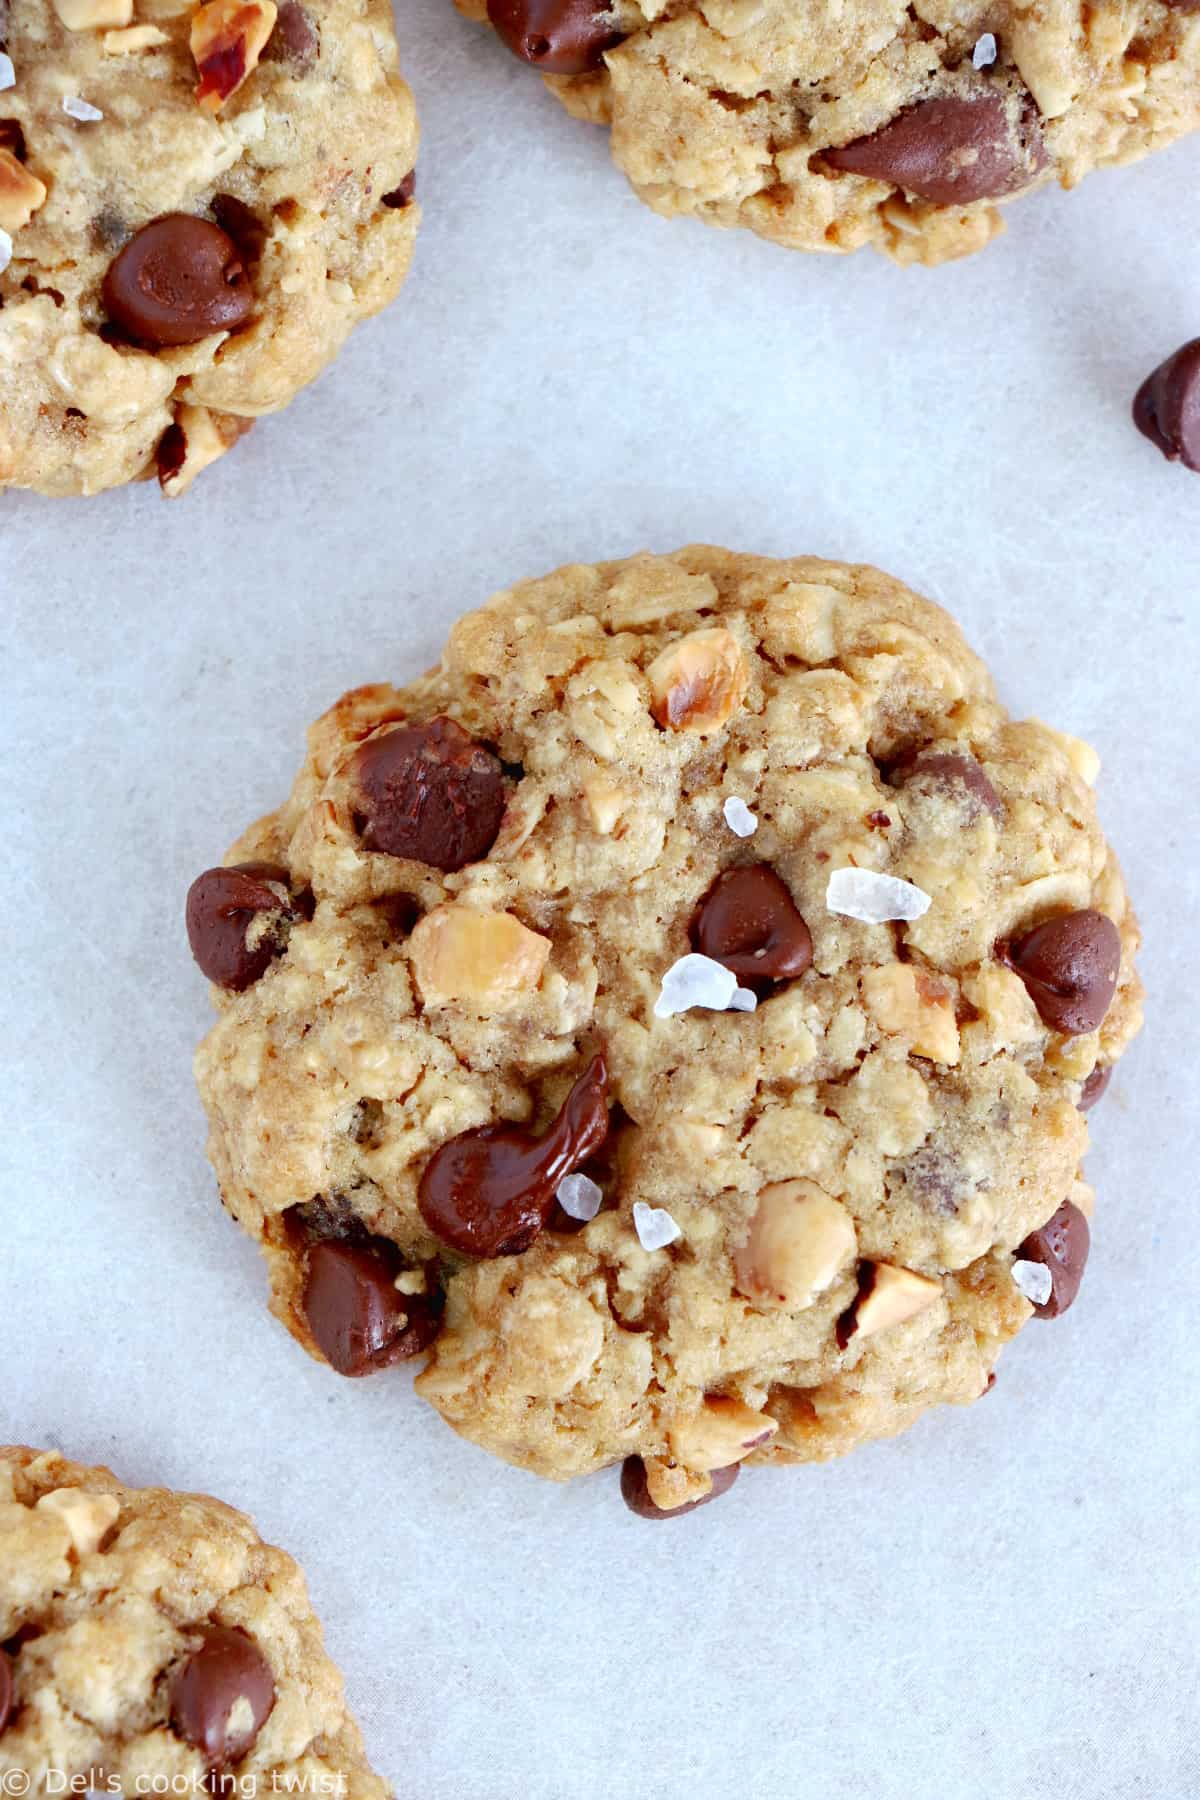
x: 1062, y: 1246
x: 222, y: 907
x: 241, y: 223
x: 358, y: 1317
x: 750, y: 924
x: 636, y: 1495
x: 1166, y: 408
x: 430, y: 793
x: 6, y: 1689
x: 1070, y: 967
x: 1094, y: 1086
x: 212, y: 1690
x: 12, y: 139
x: 178, y: 279
x: 949, y: 150
x: 295, y: 38
x: 559, y: 37
x: 490, y: 1191
x: 171, y: 453
x: 400, y: 196
x: 950, y: 771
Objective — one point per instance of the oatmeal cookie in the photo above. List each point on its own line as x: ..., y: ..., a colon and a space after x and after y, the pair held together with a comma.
x: 150, y: 1642
x: 197, y: 203
x: 676, y: 1013
x: 829, y: 127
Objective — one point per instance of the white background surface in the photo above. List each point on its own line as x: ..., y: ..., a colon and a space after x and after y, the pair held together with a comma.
x: 1002, y: 1603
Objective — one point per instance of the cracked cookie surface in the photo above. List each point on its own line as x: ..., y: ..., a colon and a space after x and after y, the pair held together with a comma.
x: 150, y: 1637
x: 831, y: 127
x: 443, y: 1002
x: 270, y: 146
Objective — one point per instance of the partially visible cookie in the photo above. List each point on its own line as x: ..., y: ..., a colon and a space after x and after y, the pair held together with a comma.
x: 873, y: 122
x: 149, y: 1637
x: 675, y: 1014
x: 196, y: 206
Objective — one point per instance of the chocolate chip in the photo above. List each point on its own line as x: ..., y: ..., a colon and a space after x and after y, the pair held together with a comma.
x: 12, y: 139
x: 750, y: 924
x: 490, y: 1191
x: 952, y: 771
x: 1062, y: 1246
x: 559, y: 37
x: 1070, y: 967
x: 227, y: 1674
x: 1166, y: 408
x: 171, y: 454
x: 430, y: 793
x: 636, y: 1495
x: 6, y: 1689
x: 241, y: 223
x: 1094, y: 1086
x: 222, y: 907
x: 400, y: 197
x: 949, y: 150
x: 358, y: 1317
x: 295, y: 38
x: 176, y: 281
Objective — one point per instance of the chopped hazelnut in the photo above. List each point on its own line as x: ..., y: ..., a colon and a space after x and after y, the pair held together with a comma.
x: 800, y: 1241
x: 722, y: 1432
x: 906, y: 1002
x: 93, y: 15
x: 698, y: 682
x: 484, y: 960
x: 228, y: 37
x: 21, y: 193
x: 887, y: 1295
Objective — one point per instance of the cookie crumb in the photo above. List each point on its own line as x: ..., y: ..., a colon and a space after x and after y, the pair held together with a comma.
x: 654, y: 1225
x: 873, y: 898
x: 740, y: 820
x: 579, y: 1196
x: 984, y: 54
x: 1034, y: 1280
x: 81, y: 110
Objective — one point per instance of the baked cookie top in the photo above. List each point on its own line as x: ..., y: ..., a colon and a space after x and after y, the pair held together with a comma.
x: 717, y: 897
x: 829, y: 127
x: 196, y: 205
x: 149, y: 1637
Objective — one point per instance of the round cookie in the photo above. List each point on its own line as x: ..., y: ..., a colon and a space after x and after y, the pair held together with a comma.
x: 829, y: 127
x: 582, y: 922
x: 196, y: 206
x: 150, y: 1642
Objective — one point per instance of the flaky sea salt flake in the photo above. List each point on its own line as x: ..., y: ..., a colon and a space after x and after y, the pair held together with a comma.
x: 654, y: 1225
x: 740, y: 820
x: 873, y: 898
x: 579, y: 1196
x: 82, y: 111
x: 5, y: 251
x: 984, y: 54
x: 8, y: 75
x: 695, y: 981
x: 1034, y: 1280
x: 743, y: 1000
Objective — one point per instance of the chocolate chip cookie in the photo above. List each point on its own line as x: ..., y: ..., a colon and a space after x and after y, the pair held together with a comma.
x: 830, y: 127
x: 676, y: 1016
x: 197, y: 203
x: 150, y: 1642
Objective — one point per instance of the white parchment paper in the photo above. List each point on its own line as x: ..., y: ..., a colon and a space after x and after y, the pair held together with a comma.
x: 1002, y: 1603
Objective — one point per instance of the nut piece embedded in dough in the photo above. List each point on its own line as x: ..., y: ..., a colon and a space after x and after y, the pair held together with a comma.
x: 906, y: 1002
x: 20, y: 193
x: 479, y: 959
x: 887, y: 1295
x: 722, y: 1432
x: 198, y: 438
x: 93, y: 15
x: 605, y: 803
x: 228, y: 37
x: 697, y: 683
x: 87, y: 1517
x: 800, y: 1241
